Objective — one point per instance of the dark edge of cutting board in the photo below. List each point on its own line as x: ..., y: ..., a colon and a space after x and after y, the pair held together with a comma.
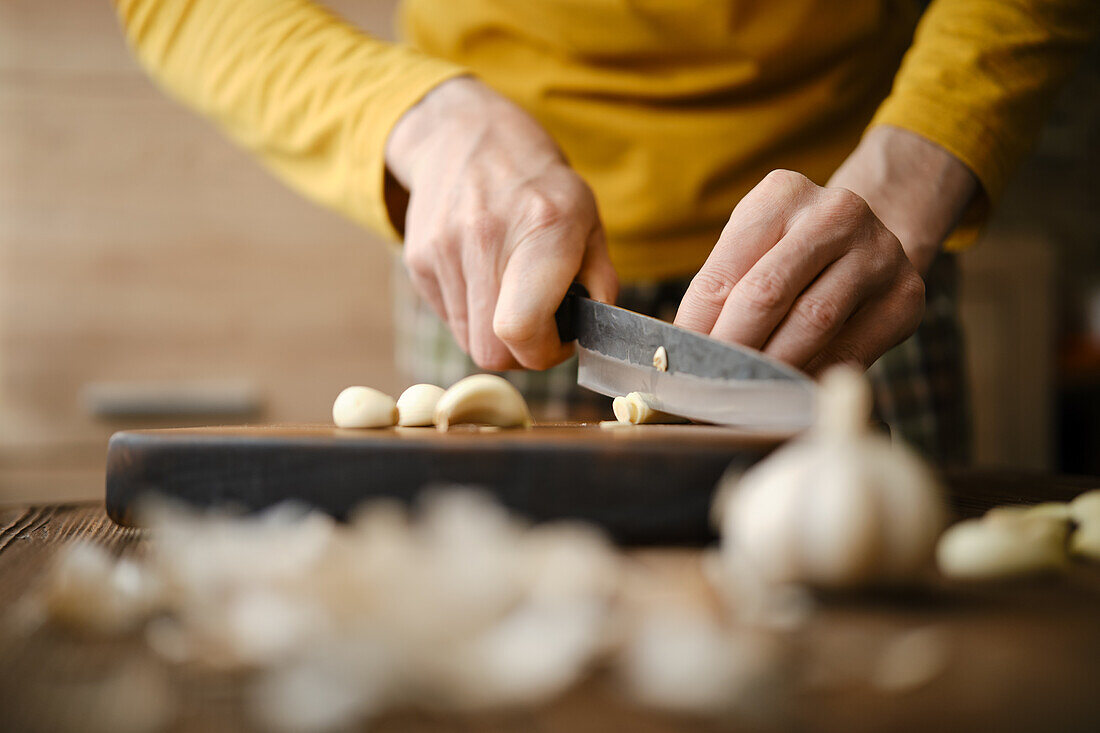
x: 643, y: 484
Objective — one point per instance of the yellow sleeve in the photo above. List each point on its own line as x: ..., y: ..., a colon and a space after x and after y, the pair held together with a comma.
x: 312, y: 96
x: 979, y: 78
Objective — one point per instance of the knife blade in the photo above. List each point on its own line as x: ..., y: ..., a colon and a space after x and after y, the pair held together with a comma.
x: 707, y: 380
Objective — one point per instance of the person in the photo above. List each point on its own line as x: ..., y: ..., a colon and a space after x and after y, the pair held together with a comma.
x: 785, y: 174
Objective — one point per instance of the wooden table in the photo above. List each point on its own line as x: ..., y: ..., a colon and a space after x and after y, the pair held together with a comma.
x: 1023, y: 655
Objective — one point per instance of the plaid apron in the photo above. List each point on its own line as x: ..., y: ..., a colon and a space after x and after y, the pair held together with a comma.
x: 919, y: 385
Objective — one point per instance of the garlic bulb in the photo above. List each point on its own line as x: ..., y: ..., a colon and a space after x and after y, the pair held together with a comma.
x: 363, y: 407
x: 839, y: 507
x: 416, y: 405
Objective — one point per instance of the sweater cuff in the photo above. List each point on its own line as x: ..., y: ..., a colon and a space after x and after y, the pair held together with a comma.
x: 966, y: 138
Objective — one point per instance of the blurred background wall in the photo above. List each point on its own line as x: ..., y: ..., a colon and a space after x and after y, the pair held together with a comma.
x: 143, y: 256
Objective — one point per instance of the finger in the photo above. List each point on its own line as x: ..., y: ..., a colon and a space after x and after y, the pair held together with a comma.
x: 424, y: 281
x: 535, y: 280
x: 452, y: 285
x: 597, y: 274
x: 482, y: 292
x: 758, y: 221
x: 818, y: 314
x: 762, y: 298
x: 875, y: 327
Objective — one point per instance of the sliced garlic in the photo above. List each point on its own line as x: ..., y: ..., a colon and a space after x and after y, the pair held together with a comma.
x: 638, y: 408
x: 363, y: 407
x: 416, y: 405
x: 660, y: 359
x: 482, y: 399
x: 1003, y: 545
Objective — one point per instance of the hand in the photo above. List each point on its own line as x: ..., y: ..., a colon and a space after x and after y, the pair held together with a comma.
x: 816, y: 275
x: 498, y: 225
x: 808, y: 275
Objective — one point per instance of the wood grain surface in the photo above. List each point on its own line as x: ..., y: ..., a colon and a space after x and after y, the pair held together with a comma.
x: 1022, y: 656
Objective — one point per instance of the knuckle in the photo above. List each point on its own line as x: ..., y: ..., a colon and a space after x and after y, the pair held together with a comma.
x: 711, y: 285
x: 911, y: 294
x: 542, y: 210
x: 512, y: 330
x: 820, y: 314
x: 765, y: 291
x: 783, y: 178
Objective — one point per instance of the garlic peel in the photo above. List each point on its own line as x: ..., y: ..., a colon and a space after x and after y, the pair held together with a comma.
x: 484, y: 399
x: 416, y: 405
x: 363, y: 407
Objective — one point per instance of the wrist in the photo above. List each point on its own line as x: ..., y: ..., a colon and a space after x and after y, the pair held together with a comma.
x: 423, y: 120
x: 916, y: 188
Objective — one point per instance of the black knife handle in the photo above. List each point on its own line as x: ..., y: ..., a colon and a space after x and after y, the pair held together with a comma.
x: 563, y: 317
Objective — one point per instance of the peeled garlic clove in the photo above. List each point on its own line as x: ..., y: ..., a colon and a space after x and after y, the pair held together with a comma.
x: 416, y: 405
x: 484, y: 399
x: 363, y: 407
x: 1002, y: 546
x: 638, y: 408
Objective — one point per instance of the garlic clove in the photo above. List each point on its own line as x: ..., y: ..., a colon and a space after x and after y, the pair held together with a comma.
x: 416, y: 405
x: 363, y: 407
x: 482, y: 399
x: 1085, y: 509
x: 1002, y: 546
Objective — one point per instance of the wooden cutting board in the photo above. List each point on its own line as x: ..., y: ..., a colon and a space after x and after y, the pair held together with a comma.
x: 643, y: 483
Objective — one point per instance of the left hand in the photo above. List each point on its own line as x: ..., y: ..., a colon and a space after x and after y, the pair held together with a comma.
x: 807, y: 274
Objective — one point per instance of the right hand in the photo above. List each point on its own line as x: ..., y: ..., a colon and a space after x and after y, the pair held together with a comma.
x: 497, y: 226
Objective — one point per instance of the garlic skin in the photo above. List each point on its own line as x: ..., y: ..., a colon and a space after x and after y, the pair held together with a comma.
x: 416, y: 405
x: 483, y: 399
x: 1002, y: 545
x: 363, y: 407
x: 840, y: 507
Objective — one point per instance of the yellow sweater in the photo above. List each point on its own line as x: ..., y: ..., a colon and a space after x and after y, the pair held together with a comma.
x: 670, y: 109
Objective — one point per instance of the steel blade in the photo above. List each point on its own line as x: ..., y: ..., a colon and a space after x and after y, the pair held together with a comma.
x: 706, y: 380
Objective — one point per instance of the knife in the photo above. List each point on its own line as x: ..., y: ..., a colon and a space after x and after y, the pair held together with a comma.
x: 706, y: 380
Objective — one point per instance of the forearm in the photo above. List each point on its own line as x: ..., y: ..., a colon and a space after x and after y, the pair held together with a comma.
x: 915, y: 187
